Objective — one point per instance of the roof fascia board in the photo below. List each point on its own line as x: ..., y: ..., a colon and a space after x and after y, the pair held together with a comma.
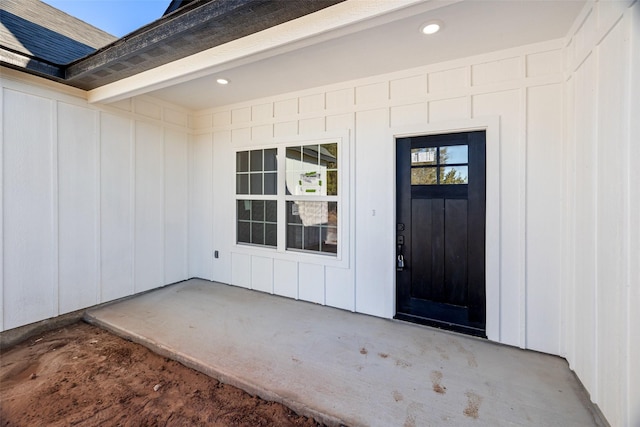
x: 155, y: 32
x: 256, y: 46
x: 18, y: 60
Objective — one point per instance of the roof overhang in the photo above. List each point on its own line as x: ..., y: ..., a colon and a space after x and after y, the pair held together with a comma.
x: 198, y: 26
x: 326, y: 23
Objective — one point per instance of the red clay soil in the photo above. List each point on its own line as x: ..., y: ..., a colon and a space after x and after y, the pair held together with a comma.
x: 84, y: 376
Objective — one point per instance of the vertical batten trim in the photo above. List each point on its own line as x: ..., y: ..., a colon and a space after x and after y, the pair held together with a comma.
x: 354, y: 210
x: 273, y: 276
x: 633, y: 407
x: 163, y: 206
x: 98, y: 219
x: 212, y: 199
x: 594, y: 392
x: 2, y: 308
x: 522, y: 216
x: 55, y: 226
x: 324, y: 285
x: 297, y: 263
x: 132, y: 201
x: 189, y: 190
x: 164, y: 203
x: 627, y: 225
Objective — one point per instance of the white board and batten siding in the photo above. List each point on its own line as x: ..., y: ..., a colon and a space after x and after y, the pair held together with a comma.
x: 94, y: 200
x: 101, y: 202
x: 518, y: 91
x: 601, y: 288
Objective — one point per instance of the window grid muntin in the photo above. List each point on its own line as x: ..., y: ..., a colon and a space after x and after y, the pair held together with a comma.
x: 257, y: 172
x: 328, y: 233
x: 319, y: 237
x: 255, y: 223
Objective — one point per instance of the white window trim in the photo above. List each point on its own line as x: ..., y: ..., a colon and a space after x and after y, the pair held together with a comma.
x: 343, y: 255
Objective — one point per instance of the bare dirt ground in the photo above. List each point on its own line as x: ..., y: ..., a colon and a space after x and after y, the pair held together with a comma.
x: 84, y: 376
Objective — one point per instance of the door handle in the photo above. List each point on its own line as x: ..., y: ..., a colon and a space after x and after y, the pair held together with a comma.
x: 399, y: 257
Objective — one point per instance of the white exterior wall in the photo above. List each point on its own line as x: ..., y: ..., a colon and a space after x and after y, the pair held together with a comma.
x: 98, y: 203
x: 601, y: 292
x: 93, y: 200
x: 516, y: 94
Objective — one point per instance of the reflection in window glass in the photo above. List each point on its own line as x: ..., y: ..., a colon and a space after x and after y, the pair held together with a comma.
x: 312, y: 226
x: 242, y: 161
x: 453, y: 154
x: 242, y: 184
x: 257, y: 222
x: 424, y: 156
x: 255, y: 183
x: 270, y: 160
x: 423, y: 176
x: 428, y: 165
x: 454, y: 175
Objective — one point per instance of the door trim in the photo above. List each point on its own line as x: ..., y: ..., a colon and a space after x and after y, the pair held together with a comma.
x: 491, y: 125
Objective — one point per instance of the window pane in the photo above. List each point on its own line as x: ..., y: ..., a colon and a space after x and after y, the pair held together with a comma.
x: 270, y: 163
x: 329, y: 155
x: 294, y: 153
x: 423, y: 176
x: 293, y: 167
x: 244, y: 209
x: 332, y: 213
x: 242, y: 161
x: 256, y: 183
x: 313, y: 213
x: 310, y: 154
x: 244, y: 232
x: 257, y: 210
x: 303, y: 175
x: 330, y: 237
x: 294, y: 236
x: 256, y: 161
x: 271, y: 234
x: 271, y: 211
x: 423, y: 156
x: 453, y: 154
x: 332, y: 183
x: 311, y: 238
x: 270, y: 183
x: 310, y: 183
x: 242, y: 184
x: 312, y: 226
x: 257, y: 233
x: 293, y: 213
x: 454, y: 175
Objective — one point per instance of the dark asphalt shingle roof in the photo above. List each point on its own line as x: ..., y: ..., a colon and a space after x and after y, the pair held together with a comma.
x: 38, y: 30
x: 39, y: 39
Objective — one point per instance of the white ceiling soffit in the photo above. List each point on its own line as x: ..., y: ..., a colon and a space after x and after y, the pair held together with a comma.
x: 354, y: 39
x: 325, y: 24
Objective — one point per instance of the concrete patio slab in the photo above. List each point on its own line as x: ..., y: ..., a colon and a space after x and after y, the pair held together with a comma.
x: 346, y: 368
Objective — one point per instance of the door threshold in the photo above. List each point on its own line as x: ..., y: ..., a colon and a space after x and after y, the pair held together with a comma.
x: 467, y: 330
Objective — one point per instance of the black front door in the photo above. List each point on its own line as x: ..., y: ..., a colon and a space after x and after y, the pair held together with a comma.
x: 440, y: 276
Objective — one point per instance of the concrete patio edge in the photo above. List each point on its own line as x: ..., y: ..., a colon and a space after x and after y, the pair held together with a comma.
x: 220, y: 375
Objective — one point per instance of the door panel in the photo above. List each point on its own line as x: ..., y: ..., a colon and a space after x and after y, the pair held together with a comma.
x: 455, y: 252
x: 441, y: 230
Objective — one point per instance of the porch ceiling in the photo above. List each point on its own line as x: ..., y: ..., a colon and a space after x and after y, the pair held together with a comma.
x: 379, y: 44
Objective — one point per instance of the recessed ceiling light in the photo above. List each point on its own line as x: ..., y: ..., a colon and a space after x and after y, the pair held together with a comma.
x: 431, y: 27
x: 222, y: 81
